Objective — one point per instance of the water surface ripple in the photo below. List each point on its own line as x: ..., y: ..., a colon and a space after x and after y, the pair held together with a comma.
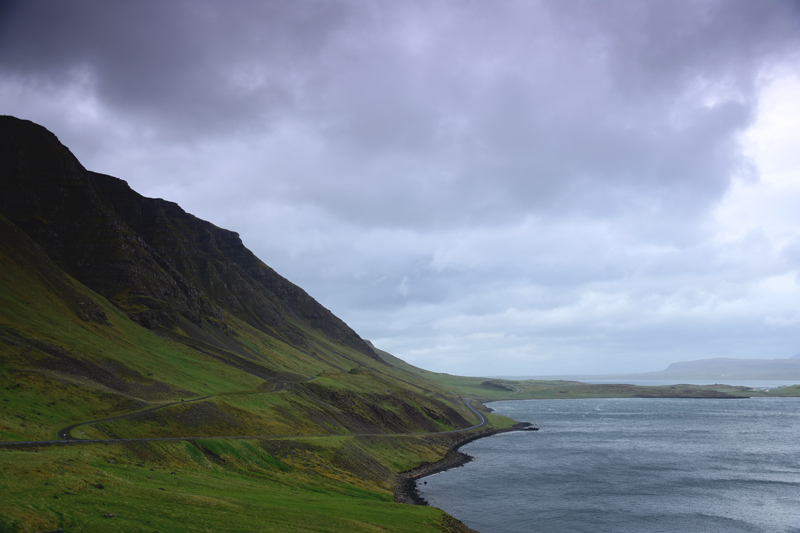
x: 632, y: 465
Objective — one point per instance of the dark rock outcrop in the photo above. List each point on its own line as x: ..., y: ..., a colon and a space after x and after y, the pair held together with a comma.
x: 165, y: 268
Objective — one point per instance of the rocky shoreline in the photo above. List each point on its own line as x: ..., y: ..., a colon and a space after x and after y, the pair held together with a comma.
x: 406, y: 488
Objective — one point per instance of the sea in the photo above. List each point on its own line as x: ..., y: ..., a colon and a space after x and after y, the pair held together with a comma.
x: 641, y: 465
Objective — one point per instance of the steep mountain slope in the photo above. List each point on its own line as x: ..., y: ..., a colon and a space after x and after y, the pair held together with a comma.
x: 148, y: 256
x: 124, y: 308
x: 111, y: 255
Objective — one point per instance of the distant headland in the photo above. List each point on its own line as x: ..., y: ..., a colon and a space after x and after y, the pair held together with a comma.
x: 719, y: 368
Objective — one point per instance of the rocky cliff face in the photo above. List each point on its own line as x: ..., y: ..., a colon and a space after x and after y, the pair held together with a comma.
x: 166, y: 268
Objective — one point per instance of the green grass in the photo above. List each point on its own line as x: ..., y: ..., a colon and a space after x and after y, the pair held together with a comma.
x: 247, y: 489
x: 791, y: 391
x: 38, y: 323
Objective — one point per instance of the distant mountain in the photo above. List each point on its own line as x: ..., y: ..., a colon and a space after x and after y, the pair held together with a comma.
x: 795, y: 356
x: 719, y: 368
x: 729, y: 368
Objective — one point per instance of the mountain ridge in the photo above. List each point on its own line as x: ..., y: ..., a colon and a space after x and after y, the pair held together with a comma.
x: 127, y: 297
x: 124, y: 317
x: 717, y: 368
x: 164, y: 266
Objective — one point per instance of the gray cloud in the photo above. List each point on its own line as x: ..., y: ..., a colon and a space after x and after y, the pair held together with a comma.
x: 538, y: 180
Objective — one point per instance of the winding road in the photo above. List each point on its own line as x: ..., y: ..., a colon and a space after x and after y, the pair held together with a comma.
x: 65, y: 433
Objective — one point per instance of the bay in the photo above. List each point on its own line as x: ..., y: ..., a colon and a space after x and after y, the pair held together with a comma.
x: 632, y: 465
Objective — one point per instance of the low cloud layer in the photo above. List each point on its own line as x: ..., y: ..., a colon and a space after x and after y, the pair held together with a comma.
x: 477, y: 187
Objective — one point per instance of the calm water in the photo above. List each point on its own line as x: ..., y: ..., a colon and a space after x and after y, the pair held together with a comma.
x: 632, y: 465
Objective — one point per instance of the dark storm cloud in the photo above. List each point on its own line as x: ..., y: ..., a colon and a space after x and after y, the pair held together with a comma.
x: 527, y: 105
x: 452, y: 177
x: 201, y: 68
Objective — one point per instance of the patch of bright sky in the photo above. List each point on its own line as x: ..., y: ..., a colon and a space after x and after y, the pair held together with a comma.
x: 769, y: 204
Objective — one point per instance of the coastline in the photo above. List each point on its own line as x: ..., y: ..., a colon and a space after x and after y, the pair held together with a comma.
x: 406, y: 490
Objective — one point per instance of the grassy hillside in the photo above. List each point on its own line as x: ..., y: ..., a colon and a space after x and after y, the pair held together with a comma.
x: 58, y: 368
x: 125, y: 317
x: 207, y: 486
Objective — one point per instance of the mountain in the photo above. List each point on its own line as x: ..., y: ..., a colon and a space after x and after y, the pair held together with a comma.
x: 729, y: 368
x: 720, y: 368
x: 165, y: 267
x: 126, y: 317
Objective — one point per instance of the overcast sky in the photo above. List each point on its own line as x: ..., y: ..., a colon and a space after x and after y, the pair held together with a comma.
x: 478, y: 187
